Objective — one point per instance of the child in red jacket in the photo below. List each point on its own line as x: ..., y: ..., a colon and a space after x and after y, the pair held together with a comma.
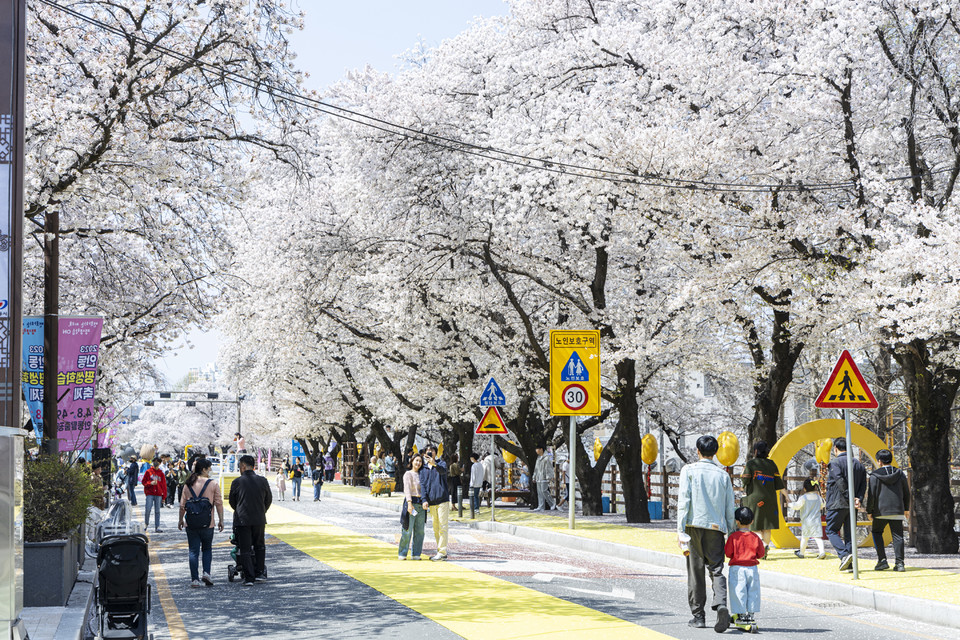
x: 744, y: 548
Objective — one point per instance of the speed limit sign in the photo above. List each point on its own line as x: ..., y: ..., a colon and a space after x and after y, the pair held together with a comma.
x: 574, y: 373
x: 575, y: 397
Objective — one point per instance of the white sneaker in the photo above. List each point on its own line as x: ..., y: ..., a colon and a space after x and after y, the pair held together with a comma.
x: 438, y: 557
x: 401, y: 557
x: 195, y: 583
x: 207, y: 580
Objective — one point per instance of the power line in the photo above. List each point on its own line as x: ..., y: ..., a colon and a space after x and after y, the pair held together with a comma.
x: 461, y: 146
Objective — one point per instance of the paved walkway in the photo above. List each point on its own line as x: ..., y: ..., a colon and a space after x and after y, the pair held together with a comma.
x: 929, y: 590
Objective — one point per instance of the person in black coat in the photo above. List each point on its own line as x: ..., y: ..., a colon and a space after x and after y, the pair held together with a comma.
x: 838, y: 502
x: 132, y: 472
x: 888, y: 500
x: 250, y: 498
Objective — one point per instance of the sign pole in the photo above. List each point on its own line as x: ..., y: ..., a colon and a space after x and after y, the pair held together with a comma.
x: 572, y: 475
x: 493, y: 475
x: 853, y: 508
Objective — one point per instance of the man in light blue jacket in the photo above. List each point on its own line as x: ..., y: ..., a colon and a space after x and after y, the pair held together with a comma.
x: 704, y: 517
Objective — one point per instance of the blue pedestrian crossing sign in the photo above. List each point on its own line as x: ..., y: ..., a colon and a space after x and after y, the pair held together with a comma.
x: 574, y: 370
x: 492, y: 396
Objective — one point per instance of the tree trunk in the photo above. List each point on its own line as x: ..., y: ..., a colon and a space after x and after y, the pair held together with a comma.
x: 627, y: 447
x: 931, y: 394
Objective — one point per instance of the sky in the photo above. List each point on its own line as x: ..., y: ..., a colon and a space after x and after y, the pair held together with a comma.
x: 339, y: 37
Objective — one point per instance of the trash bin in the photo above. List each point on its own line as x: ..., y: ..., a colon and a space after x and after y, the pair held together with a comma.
x: 606, y: 504
x: 656, y: 509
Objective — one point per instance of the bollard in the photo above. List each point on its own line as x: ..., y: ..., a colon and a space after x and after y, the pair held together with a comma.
x: 473, y: 514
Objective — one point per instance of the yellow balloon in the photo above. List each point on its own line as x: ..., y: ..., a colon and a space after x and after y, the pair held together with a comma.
x: 440, y: 451
x: 728, y: 436
x: 728, y: 453
x: 597, y: 448
x: 508, y: 457
x: 648, y: 449
x: 823, y: 451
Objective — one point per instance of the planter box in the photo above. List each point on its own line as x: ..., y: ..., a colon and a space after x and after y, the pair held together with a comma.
x: 49, y: 571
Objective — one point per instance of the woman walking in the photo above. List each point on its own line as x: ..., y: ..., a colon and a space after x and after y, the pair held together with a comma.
x: 201, y: 487
x: 761, y: 481
x: 413, y: 515
x: 281, y: 483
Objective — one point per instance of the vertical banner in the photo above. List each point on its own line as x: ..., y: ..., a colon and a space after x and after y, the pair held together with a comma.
x: 79, y: 351
x: 32, y: 374
x: 79, y: 354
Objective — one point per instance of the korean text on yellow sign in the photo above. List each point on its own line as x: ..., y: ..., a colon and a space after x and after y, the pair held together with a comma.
x: 574, y: 373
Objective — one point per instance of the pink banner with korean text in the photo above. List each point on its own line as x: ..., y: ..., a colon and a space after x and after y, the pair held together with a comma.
x: 79, y: 353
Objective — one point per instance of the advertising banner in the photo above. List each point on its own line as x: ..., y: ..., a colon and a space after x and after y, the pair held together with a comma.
x: 79, y: 351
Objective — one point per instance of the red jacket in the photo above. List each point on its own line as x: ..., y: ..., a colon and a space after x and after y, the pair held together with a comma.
x: 154, y: 483
x: 744, y: 548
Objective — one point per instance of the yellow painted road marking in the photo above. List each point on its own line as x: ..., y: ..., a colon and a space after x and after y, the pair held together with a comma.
x: 486, y: 607
x: 174, y: 622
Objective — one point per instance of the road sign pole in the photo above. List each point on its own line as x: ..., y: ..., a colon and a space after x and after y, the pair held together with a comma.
x: 493, y: 475
x: 853, y: 507
x: 572, y: 474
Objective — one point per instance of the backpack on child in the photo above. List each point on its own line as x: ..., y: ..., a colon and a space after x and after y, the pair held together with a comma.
x: 198, y: 512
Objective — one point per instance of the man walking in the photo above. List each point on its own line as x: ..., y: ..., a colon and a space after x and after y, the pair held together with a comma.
x: 838, y: 501
x: 705, y: 515
x: 155, y: 490
x: 133, y: 471
x: 433, y: 489
x: 542, y: 472
x: 887, y: 502
x: 250, y: 498
x: 316, y: 474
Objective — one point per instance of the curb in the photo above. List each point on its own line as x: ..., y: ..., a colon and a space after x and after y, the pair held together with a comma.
x: 74, y: 619
x: 930, y: 611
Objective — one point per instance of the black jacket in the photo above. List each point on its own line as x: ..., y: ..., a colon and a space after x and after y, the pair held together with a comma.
x: 132, y: 471
x: 250, y: 497
x: 837, y: 482
x: 889, y: 494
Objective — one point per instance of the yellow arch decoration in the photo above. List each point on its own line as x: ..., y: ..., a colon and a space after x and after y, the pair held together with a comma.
x: 797, y: 438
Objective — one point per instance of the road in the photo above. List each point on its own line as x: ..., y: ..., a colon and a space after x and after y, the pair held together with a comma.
x: 333, y: 574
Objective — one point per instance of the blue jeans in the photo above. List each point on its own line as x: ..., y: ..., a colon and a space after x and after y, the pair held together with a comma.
x: 415, y: 531
x: 152, y: 502
x: 195, y: 539
x: 837, y: 519
x: 132, y: 493
x: 475, y: 498
x: 296, y: 487
x: 744, y: 589
x: 316, y: 491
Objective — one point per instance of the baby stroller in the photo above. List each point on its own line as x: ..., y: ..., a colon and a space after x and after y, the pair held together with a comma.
x: 234, y: 570
x: 122, y: 592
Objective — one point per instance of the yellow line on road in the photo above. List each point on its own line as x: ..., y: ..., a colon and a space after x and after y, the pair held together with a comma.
x: 174, y: 622
x: 473, y: 605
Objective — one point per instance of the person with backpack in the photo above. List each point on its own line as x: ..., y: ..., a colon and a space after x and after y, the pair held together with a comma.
x: 201, y: 495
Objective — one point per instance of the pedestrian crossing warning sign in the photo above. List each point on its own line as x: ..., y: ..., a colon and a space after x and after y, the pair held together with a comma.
x: 846, y: 388
x: 574, y: 371
x: 492, y: 424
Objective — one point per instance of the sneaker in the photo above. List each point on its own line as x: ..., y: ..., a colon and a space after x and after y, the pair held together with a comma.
x: 846, y: 562
x: 881, y: 565
x: 158, y: 530
x: 194, y: 583
x: 415, y: 558
x: 698, y: 622
x: 401, y: 557
x: 798, y: 553
x: 723, y: 619
x: 207, y: 580
x: 899, y: 567
x: 248, y: 583
x: 822, y: 556
x: 438, y: 557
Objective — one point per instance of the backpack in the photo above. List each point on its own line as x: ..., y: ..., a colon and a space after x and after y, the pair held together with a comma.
x: 198, y: 511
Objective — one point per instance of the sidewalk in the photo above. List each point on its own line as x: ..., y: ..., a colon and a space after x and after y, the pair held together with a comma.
x: 928, y: 591
x: 63, y: 623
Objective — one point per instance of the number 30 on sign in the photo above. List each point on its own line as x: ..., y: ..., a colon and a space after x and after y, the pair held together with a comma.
x: 574, y: 373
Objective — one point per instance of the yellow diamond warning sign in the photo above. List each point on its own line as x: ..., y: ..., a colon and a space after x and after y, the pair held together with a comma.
x: 492, y: 424
x: 846, y: 388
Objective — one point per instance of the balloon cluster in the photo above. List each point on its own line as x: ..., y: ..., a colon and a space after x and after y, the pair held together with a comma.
x: 729, y: 448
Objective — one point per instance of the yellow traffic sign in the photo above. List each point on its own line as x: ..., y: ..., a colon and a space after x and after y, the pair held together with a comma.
x: 574, y: 373
x: 846, y: 388
x: 492, y: 423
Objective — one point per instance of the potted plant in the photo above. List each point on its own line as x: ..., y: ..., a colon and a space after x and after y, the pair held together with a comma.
x: 56, y: 497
